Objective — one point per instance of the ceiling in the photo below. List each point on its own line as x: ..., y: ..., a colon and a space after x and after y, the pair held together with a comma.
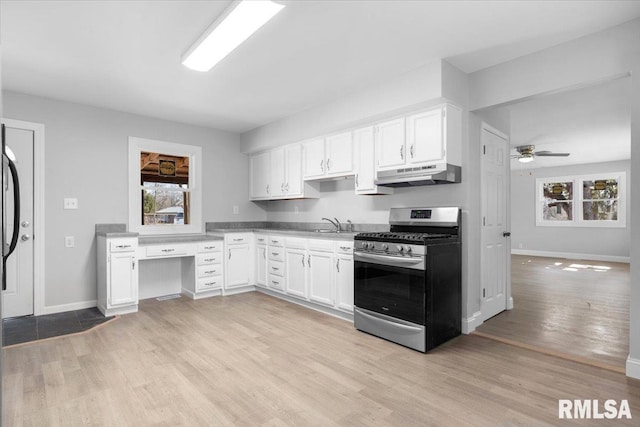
x: 593, y: 124
x: 125, y: 55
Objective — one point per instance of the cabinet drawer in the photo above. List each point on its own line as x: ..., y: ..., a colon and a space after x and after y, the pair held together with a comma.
x: 276, y: 267
x: 209, y: 283
x: 237, y: 238
x: 276, y: 240
x: 276, y: 254
x: 276, y: 282
x: 296, y: 243
x: 209, y: 258
x: 166, y: 250
x: 123, y: 245
x: 261, y: 239
x: 321, y: 245
x: 209, y: 270
x: 344, y: 247
x: 210, y: 246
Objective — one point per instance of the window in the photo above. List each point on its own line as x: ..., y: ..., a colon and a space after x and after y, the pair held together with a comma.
x: 164, y: 187
x: 581, y: 201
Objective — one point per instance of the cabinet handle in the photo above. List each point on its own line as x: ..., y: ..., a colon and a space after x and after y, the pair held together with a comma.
x: 274, y: 268
x: 133, y: 265
x: 264, y: 254
x: 322, y: 165
x: 309, y: 260
x: 275, y: 283
x: 229, y: 253
x: 282, y: 187
x: 274, y: 253
x: 267, y: 188
x: 356, y: 180
x: 338, y: 265
x: 209, y: 272
x: 328, y: 164
x: 345, y: 248
x: 303, y: 260
x: 286, y: 187
x: 402, y: 152
x: 209, y: 259
x: 208, y: 248
x: 411, y: 151
x: 123, y: 246
x: 168, y: 250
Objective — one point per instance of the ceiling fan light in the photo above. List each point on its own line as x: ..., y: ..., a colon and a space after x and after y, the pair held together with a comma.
x: 525, y: 158
x: 234, y: 26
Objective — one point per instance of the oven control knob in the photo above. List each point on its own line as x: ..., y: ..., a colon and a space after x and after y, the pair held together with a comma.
x: 385, y: 247
x: 400, y: 248
x: 407, y: 249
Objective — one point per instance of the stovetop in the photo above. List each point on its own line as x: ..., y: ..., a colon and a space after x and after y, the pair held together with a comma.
x: 415, y: 238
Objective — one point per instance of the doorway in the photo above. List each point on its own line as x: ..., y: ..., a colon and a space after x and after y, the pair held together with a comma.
x: 570, y: 281
x: 24, y: 293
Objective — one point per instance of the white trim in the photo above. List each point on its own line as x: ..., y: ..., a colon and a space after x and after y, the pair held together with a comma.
x: 38, y: 209
x: 194, y: 152
x: 633, y: 367
x: 317, y: 307
x: 572, y: 255
x: 52, y: 309
x: 471, y: 323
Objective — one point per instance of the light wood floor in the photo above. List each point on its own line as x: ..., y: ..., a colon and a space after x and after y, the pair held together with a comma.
x: 252, y: 359
x: 583, y: 313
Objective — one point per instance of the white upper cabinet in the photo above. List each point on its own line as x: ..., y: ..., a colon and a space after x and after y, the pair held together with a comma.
x: 390, y: 144
x: 329, y: 157
x: 365, y: 165
x: 277, y: 174
x: 339, y: 154
x: 260, y: 177
x: 431, y: 137
x: 314, y: 158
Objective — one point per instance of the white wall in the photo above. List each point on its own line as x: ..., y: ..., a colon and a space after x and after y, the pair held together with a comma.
x: 600, y: 243
x: 597, y: 57
x: 86, y: 157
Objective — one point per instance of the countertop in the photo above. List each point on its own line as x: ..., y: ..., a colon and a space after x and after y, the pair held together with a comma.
x: 159, y: 240
x: 114, y: 234
x: 343, y: 235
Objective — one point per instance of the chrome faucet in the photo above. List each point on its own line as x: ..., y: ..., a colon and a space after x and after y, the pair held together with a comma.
x: 349, y: 226
x: 336, y: 224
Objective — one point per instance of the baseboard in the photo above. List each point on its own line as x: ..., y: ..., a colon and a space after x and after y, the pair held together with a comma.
x: 52, y: 309
x: 317, y: 307
x: 633, y: 367
x: 471, y: 323
x: 572, y: 255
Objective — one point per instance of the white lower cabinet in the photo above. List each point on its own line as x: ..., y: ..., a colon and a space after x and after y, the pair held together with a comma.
x: 296, y: 278
x: 238, y: 260
x: 261, y: 265
x: 117, y: 275
x: 344, y: 277
x: 321, y: 277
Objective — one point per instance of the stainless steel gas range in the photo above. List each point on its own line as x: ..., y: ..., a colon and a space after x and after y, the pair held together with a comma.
x: 407, y: 285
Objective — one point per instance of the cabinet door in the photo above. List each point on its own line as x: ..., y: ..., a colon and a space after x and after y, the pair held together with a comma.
x: 293, y: 160
x: 296, y: 283
x: 425, y: 139
x: 123, y: 278
x: 365, y: 150
x: 390, y: 139
x: 314, y: 158
x: 259, y: 166
x: 278, y: 179
x: 238, y: 265
x: 321, y: 276
x: 261, y: 265
x: 344, y: 282
x: 339, y: 153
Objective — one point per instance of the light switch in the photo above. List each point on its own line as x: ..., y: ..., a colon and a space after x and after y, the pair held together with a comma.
x: 70, y: 203
x: 69, y: 241
x: 236, y: 210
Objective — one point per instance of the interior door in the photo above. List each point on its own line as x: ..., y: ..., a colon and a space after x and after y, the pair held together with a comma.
x: 17, y: 299
x: 496, y: 250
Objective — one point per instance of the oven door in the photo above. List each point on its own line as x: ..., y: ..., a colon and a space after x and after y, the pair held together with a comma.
x: 396, y: 290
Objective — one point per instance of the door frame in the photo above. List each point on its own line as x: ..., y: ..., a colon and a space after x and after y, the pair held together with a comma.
x: 38, y: 209
x: 485, y: 127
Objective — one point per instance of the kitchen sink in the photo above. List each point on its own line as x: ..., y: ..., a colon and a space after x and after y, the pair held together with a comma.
x: 327, y: 231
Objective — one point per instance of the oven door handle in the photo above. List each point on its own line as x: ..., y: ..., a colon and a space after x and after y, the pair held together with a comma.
x: 388, y: 319
x: 388, y: 259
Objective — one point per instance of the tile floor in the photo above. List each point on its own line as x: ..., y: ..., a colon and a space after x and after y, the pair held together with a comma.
x: 30, y: 328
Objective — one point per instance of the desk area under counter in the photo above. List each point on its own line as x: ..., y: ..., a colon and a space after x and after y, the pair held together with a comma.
x: 132, y: 267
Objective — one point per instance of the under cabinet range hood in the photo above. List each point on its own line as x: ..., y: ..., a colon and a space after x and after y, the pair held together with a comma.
x: 424, y: 175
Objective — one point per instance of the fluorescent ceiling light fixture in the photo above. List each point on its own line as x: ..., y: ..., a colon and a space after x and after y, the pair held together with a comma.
x: 235, y: 25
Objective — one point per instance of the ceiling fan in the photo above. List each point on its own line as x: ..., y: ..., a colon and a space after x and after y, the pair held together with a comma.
x: 527, y: 154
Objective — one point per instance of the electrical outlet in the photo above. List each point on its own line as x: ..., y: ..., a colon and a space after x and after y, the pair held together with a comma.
x: 69, y: 242
x: 70, y: 203
x: 296, y: 209
x: 519, y: 245
x: 236, y: 210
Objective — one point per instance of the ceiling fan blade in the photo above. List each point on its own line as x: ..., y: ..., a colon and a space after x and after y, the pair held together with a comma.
x: 550, y: 154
